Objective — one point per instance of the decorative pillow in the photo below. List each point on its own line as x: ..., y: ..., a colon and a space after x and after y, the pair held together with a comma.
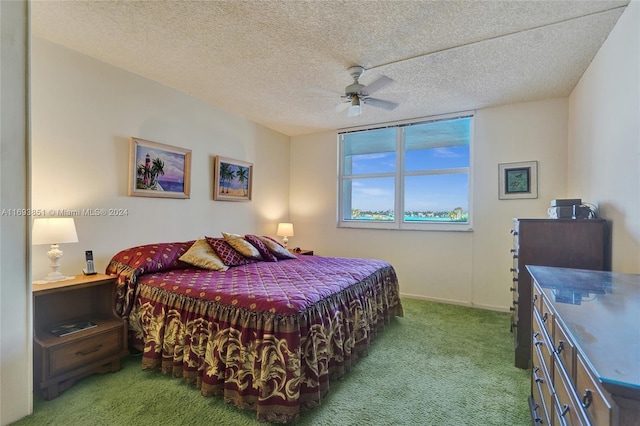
x: 229, y: 256
x: 153, y: 257
x: 278, y: 250
x: 242, y: 246
x: 262, y: 248
x: 202, y: 255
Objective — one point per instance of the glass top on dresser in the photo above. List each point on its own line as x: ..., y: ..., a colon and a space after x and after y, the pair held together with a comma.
x: 601, y: 311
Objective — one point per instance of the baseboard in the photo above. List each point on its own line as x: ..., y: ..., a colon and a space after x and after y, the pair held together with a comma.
x: 455, y: 302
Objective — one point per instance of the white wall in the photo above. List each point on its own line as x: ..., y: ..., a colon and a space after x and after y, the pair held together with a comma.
x: 85, y: 111
x: 470, y: 268
x: 15, y: 290
x: 604, y: 137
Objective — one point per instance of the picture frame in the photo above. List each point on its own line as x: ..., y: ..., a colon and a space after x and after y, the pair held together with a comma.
x: 233, y: 180
x: 518, y: 180
x: 158, y: 170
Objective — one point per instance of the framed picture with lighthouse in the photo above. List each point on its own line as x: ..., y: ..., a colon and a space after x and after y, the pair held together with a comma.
x: 158, y: 170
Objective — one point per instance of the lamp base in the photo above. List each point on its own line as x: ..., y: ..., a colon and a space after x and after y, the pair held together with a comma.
x: 56, y: 276
x: 52, y: 278
x: 55, y: 259
x: 285, y: 241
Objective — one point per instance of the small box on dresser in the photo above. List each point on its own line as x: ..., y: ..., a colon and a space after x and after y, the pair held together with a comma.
x: 59, y: 361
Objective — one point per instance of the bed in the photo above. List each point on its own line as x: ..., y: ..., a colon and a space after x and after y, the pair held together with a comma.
x: 267, y: 336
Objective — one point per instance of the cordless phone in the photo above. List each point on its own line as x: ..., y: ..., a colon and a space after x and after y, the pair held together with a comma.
x: 89, y: 270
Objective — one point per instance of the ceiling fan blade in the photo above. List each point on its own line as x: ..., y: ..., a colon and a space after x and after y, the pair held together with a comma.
x: 343, y: 106
x: 380, y: 83
x: 379, y: 103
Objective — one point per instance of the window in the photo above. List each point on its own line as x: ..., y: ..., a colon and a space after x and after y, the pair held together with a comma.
x: 420, y: 169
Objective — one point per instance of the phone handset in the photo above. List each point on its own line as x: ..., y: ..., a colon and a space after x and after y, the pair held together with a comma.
x: 89, y: 270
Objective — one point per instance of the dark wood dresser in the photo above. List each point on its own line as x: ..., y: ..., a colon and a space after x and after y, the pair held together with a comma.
x: 569, y: 243
x: 586, y: 347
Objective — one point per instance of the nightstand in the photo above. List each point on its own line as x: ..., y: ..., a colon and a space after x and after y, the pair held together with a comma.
x: 303, y: 252
x: 58, y: 362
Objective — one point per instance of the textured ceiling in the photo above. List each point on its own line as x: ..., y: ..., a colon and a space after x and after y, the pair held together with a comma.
x: 284, y: 64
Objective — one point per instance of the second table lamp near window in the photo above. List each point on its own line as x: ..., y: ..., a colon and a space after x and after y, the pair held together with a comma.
x: 285, y: 230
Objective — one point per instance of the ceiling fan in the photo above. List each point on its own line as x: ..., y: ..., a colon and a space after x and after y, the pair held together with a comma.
x: 357, y: 94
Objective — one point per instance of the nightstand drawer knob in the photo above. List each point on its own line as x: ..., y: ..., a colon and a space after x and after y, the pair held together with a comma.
x: 96, y: 349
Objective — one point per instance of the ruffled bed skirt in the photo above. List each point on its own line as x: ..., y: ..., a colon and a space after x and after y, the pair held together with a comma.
x: 277, y: 365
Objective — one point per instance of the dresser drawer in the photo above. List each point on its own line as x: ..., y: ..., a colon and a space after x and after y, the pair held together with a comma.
x: 546, y: 315
x: 594, y: 400
x: 81, y: 352
x: 541, y: 387
x: 537, y: 299
x: 565, y: 349
x: 542, y: 343
x: 566, y: 408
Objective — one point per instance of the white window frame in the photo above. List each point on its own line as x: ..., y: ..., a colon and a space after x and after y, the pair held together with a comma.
x: 399, y: 174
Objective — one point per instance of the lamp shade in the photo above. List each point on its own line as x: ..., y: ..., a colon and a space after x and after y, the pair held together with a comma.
x: 285, y: 230
x: 54, y: 230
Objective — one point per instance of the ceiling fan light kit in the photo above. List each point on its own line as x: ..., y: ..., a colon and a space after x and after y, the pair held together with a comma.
x: 354, y: 109
x: 357, y: 94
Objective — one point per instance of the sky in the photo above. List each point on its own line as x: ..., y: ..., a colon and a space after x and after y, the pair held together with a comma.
x: 431, y: 147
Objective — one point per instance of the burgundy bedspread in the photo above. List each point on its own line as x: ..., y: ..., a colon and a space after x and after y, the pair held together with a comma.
x: 267, y: 336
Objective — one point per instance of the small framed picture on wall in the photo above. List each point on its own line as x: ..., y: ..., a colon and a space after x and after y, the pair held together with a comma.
x: 232, y: 180
x: 518, y: 180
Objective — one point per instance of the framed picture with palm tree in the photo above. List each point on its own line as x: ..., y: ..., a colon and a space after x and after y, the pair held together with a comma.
x: 158, y: 170
x: 232, y: 180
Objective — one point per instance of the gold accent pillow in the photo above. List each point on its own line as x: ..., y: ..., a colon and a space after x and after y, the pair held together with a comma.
x: 202, y: 255
x: 242, y: 246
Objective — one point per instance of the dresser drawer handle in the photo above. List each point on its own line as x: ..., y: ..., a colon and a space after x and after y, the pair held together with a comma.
x: 560, y: 347
x: 535, y: 376
x: 587, y: 398
x: 537, y: 342
x: 535, y: 412
x: 544, y: 317
x: 565, y: 410
x: 83, y: 353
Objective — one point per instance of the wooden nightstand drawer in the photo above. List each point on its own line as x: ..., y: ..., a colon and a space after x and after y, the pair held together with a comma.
x: 86, y: 301
x: 82, y: 352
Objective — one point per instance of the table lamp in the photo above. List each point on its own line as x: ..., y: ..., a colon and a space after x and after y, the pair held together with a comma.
x: 54, y: 231
x: 285, y: 230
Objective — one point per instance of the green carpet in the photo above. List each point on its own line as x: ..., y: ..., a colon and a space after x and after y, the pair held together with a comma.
x: 439, y: 365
